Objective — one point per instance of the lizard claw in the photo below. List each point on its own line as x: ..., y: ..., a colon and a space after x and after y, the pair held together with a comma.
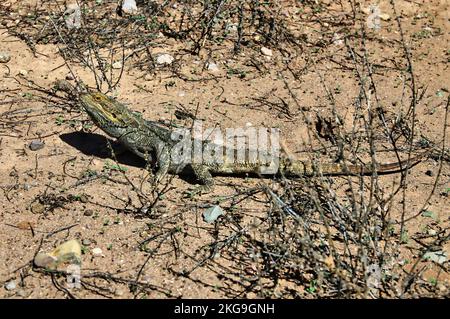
x: 198, y: 190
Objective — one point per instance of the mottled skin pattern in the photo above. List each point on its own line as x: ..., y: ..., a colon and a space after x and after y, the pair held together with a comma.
x: 150, y: 140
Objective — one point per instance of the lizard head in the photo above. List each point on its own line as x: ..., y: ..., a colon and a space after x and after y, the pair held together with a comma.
x: 108, y: 114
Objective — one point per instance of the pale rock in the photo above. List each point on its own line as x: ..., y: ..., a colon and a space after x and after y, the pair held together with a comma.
x: 43, y: 260
x: 384, y: 16
x: 65, y: 254
x: 212, y: 213
x: 4, y: 57
x: 337, y: 39
x: 129, y: 7
x: 164, y: 59
x: 375, y: 10
x: 439, y: 256
x: 10, y: 285
x: 266, y: 51
x: 69, y: 251
x: 211, y: 66
x: 72, y: 16
x: 97, y: 252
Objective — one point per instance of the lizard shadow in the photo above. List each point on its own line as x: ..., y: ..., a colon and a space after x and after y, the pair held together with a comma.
x: 92, y: 144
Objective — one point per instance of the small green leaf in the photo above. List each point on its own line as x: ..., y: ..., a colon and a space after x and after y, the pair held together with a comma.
x: 312, y: 287
x: 429, y: 214
x: 404, y: 238
x: 59, y: 120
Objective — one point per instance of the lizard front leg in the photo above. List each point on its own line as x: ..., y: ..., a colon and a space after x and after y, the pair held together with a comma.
x: 163, y: 161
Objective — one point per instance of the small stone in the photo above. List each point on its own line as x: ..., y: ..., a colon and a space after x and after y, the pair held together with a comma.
x: 10, y: 285
x: 119, y: 292
x: 23, y: 72
x: 69, y: 77
x: 232, y: 27
x: 442, y: 288
x: 36, y: 145
x: 84, y: 198
x: 88, y: 212
x: 375, y: 12
x: 25, y: 225
x: 385, y: 16
x: 266, y: 51
x: 22, y: 293
x: 4, y: 57
x: 432, y: 232
x: 367, y: 10
x: 212, y: 67
x: 70, y: 252
x: 439, y: 256
x: 37, y: 208
x: 43, y: 260
x: 248, y: 124
x: 86, y: 242
x: 164, y: 59
x: 72, y: 16
x: 148, y: 77
x: 212, y: 213
x: 337, y: 39
x: 97, y: 252
x: 129, y: 7
x: 117, y: 65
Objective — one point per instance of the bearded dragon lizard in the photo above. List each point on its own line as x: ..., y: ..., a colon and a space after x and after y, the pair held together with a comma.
x: 151, y: 140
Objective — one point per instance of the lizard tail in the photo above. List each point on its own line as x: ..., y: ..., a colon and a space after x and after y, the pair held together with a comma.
x: 299, y: 168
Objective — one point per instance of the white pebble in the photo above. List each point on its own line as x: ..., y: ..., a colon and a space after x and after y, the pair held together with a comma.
x: 10, y: 285
x: 4, y: 57
x: 72, y: 16
x: 212, y: 67
x: 164, y: 59
x: 266, y: 51
x: 97, y: 252
x: 129, y: 7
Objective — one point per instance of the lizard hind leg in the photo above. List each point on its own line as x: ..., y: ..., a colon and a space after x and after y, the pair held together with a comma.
x: 202, y: 174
